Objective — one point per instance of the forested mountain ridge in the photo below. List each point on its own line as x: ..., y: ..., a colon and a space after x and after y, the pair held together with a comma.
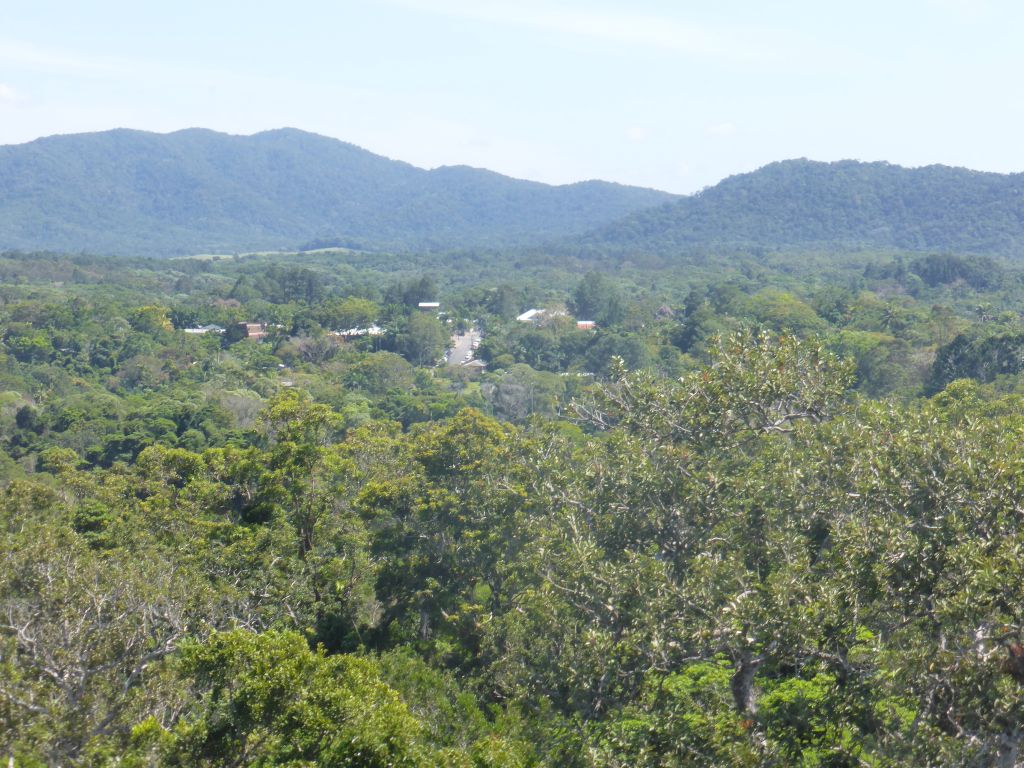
x: 196, y: 190
x: 803, y: 203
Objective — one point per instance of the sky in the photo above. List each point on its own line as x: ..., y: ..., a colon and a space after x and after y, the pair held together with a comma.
x: 669, y: 94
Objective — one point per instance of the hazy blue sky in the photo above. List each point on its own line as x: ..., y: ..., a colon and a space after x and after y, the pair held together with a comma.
x: 674, y: 95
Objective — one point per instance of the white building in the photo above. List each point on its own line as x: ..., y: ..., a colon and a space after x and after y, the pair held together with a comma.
x: 204, y: 329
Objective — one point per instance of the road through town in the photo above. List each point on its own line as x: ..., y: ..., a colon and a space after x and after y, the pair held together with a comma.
x: 461, y: 345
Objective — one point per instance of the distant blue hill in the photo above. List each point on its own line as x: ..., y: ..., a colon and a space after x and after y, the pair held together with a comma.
x: 800, y: 204
x: 199, y: 191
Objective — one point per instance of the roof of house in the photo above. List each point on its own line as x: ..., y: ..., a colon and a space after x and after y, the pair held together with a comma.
x: 373, y: 330
x: 204, y: 329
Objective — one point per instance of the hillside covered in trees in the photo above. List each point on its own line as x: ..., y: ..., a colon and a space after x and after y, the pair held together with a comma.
x: 766, y: 514
x: 197, y: 191
x: 800, y: 204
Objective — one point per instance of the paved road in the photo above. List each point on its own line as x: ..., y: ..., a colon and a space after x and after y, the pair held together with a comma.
x: 460, y: 346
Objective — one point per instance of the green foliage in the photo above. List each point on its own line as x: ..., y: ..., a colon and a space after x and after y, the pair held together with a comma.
x: 83, y: 633
x: 519, y: 391
x: 268, y: 700
x: 150, y: 320
x: 423, y: 340
x: 983, y: 359
x: 785, y: 312
x: 758, y: 384
x: 597, y: 299
x: 942, y: 269
x: 697, y: 545
x: 685, y: 718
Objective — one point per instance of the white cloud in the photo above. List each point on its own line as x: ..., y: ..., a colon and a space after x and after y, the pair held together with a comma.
x: 721, y: 129
x: 7, y: 93
x: 624, y: 28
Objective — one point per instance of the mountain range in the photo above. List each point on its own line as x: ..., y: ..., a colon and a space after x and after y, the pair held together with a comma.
x: 802, y: 204
x: 199, y: 191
